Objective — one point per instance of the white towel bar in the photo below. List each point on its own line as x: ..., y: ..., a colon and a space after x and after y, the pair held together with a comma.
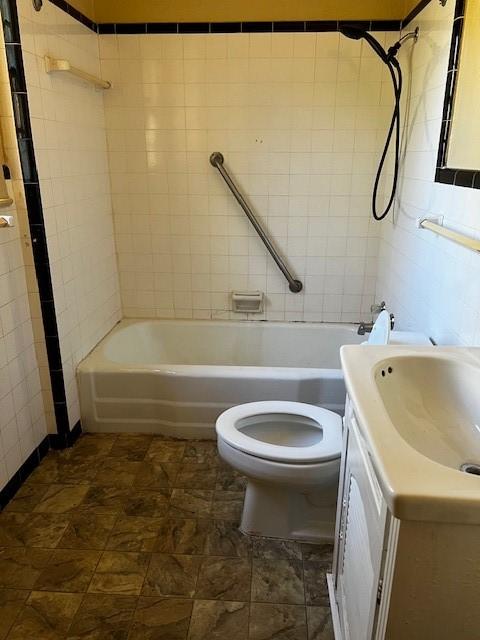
x: 432, y: 224
x: 52, y: 66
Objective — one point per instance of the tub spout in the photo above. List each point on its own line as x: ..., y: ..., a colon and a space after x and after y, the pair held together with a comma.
x: 364, y: 327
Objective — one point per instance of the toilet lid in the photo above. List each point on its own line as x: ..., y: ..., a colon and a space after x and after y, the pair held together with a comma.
x: 291, y: 432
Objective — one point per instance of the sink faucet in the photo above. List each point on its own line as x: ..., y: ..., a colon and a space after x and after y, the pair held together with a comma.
x: 366, y: 327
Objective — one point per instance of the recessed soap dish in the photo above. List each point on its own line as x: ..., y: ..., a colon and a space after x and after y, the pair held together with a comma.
x: 247, y: 301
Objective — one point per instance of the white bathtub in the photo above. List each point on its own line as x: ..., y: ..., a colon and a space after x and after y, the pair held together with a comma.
x: 175, y: 377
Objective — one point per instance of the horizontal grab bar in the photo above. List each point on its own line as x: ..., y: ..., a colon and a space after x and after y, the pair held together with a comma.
x: 432, y: 224
x: 52, y: 65
x: 216, y: 160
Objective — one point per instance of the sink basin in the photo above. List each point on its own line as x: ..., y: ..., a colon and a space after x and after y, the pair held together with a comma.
x: 418, y: 411
x: 434, y: 404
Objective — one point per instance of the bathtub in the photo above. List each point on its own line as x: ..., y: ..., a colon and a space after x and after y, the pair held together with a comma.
x: 175, y: 377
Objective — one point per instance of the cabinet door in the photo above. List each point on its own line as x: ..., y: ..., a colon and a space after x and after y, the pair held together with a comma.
x: 361, y: 542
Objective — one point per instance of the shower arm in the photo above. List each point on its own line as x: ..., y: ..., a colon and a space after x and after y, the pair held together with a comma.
x: 216, y: 160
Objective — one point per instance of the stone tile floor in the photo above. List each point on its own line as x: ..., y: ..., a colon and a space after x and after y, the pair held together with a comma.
x: 135, y: 537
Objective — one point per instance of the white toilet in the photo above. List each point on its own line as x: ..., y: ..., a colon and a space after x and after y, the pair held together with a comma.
x: 290, y: 453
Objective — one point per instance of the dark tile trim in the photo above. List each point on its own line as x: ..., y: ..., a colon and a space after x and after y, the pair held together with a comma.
x: 14, y: 484
x: 65, y: 440
x: 459, y: 9
x: 184, y: 27
x: 109, y: 29
x: 75, y: 13
x: 225, y: 27
x: 298, y: 26
x: 385, y: 25
x: 20, y: 106
x: 264, y: 27
x: 130, y: 27
x: 78, y: 15
x: 286, y: 26
x: 34, y: 206
x: 414, y: 12
x: 444, y: 173
x: 154, y: 27
x: 51, y: 441
x: 11, y: 28
x: 15, y: 69
x: 321, y: 26
x: 464, y: 178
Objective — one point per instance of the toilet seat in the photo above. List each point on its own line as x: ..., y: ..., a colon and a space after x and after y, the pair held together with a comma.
x: 328, y: 446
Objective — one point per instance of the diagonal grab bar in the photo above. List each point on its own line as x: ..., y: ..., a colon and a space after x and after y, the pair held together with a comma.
x: 216, y: 160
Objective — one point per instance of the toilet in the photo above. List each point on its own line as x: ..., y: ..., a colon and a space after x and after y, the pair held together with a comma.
x: 290, y: 453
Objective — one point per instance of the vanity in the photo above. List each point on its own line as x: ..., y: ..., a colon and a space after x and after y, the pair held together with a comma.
x: 407, y: 544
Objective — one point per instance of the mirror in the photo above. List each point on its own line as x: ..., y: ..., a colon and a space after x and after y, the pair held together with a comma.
x: 459, y: 152
x: 464, y: 144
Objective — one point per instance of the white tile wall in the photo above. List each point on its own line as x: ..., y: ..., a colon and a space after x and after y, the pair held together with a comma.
x: 432, y: 284
x: 22, y: 415
x: 299, y: 118
x: 70, y: 144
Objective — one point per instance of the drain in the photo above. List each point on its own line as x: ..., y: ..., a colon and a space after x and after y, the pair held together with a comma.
x: 471, y: 467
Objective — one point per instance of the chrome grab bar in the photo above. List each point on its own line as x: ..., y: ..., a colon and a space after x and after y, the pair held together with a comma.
x: 216, y: 160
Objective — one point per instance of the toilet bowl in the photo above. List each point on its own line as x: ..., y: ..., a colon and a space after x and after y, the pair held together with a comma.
x: 290, y: 453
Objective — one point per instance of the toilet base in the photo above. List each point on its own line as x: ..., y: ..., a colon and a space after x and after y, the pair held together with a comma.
x: 276, y: 511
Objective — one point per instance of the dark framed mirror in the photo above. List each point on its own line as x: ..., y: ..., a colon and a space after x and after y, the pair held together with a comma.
x: 458, y: 160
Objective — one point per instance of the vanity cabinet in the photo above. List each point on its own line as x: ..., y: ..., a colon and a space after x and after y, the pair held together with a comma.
x: 394, y: 579
x: 361, y: 522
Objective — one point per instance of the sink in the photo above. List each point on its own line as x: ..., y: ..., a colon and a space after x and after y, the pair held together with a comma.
x: 434, y: 404
x: 417, y: 409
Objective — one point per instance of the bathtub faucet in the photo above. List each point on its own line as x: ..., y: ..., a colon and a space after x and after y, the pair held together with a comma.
x: 366, y: 327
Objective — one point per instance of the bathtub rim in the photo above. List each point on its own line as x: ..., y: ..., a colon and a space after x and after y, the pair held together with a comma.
x: 97, y: 360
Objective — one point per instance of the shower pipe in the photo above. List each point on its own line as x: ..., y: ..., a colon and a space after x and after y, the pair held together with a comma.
x: 216, y: 160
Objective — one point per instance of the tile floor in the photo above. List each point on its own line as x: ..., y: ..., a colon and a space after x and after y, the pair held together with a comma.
x: 135, y: 537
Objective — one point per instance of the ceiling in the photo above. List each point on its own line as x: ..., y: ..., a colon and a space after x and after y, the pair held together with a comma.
x: 246, y: 10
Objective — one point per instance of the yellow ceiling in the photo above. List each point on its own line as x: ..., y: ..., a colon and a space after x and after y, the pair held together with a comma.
x: 87, y: 7
x: 409, y: 5
x: 246, y: 10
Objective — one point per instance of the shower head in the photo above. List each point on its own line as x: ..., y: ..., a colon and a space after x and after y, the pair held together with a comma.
x: 357, y: 33
x: 350, y: 31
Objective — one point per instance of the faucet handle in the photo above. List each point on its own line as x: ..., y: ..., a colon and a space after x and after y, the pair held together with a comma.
x: 378, y: 308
